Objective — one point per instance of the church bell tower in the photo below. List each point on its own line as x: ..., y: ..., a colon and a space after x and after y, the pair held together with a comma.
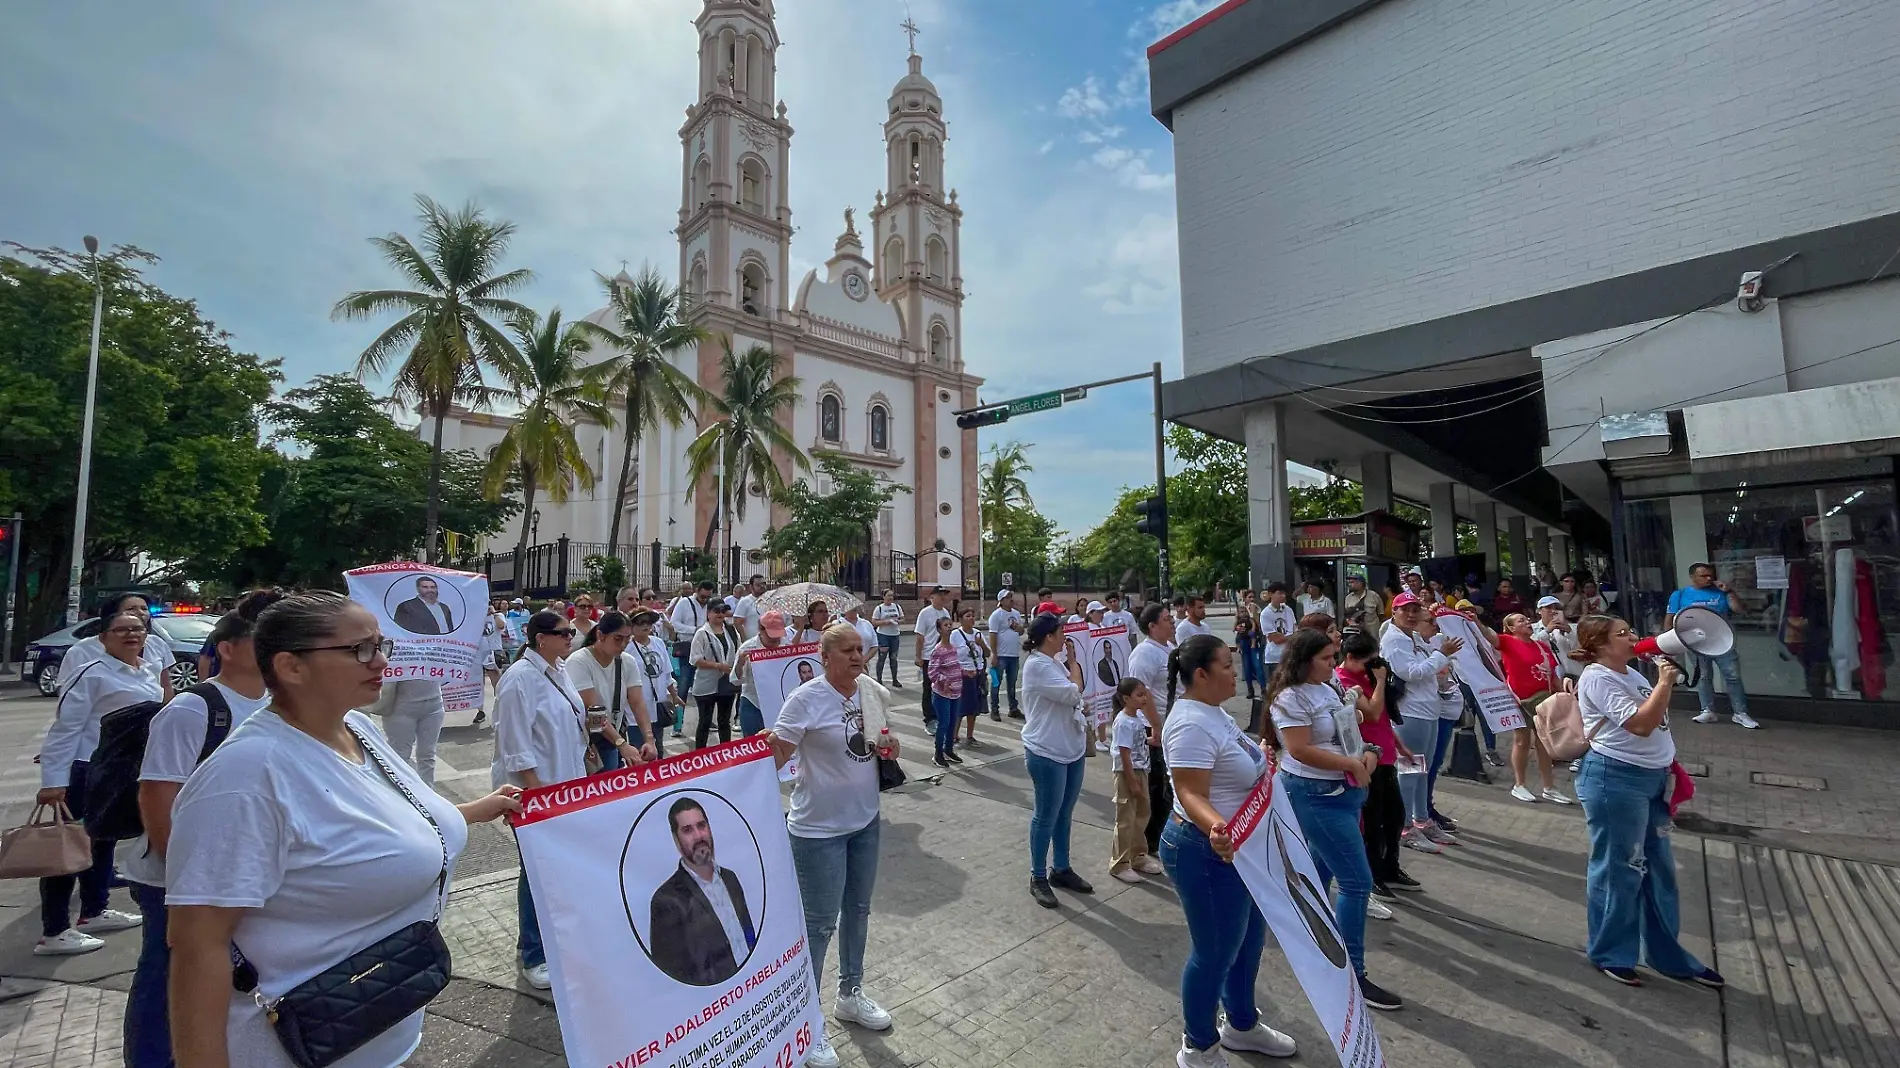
x: 917, y: 226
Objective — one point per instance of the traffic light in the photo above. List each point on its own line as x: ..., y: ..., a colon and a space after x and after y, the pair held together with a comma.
x: 1153, y: 520
x: 978, y: 417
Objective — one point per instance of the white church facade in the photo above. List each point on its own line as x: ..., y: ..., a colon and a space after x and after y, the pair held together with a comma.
x: 874, y: 335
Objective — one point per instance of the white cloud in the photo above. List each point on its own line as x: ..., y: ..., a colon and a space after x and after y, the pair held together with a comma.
x: 1083, y: 101
x: 1046, y: 147
x: 1130, y: 168
x: 1168, y: 18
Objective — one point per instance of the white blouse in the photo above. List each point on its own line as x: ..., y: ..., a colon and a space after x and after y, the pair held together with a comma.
x: 103, y: 685
x: 540, y: 724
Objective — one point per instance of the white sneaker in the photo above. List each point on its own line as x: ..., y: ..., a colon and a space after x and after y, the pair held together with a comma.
x: 1576, y: 765
x: 1523, y: 793
x: 110, y: 920
x: 821, y: 1055
x: 67, y: 943
x: 1413, y: 837
x: 1128, y: 875
x: 858, y: 1009
x: 1377, y: 910
x: 1189, y: 1057
x: 537, y: 976
x: 1148, y: 865
x: 1706, y: 716
x: 1259, y: 1039
x: 1743, y: 719
x: 1556, y: 796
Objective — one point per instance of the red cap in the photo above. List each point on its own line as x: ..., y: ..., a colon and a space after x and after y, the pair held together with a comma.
x: 1404, y: 599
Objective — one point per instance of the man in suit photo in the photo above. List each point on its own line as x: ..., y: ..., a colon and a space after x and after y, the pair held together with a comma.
x: 701, y: 929
x: 425, y: 613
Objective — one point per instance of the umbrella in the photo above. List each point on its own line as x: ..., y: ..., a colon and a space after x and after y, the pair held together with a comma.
x: 793, y: 600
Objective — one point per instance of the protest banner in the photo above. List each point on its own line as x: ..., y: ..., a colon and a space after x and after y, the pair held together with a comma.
x: 1270, y: 854
x: 776, y: 672
x: 646, y: 973
x: 1478, y: 667
x: 436, y: 617
x: 1104, y: 653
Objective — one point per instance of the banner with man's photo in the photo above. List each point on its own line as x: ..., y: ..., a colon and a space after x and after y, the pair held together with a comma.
x: 1271, y: 855
x: 683, y: 941
x: 778, y: 671
x: 436, y: 617
x: 1480, y: 668
x: 1104, y: 656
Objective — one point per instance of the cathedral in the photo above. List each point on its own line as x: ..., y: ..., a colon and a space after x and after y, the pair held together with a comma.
x: 876, y: 342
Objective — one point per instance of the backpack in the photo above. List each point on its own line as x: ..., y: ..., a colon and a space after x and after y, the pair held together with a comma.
x: 112, y: 778
x: 1560, y: 727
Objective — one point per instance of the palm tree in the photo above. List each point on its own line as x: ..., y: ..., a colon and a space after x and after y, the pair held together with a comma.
x: 742, y: 429
x: 445, y: 328
x: 1000, y: 487
x: 555, y: 387
x: 647, y: 330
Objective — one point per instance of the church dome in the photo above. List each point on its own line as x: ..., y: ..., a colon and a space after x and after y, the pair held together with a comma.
x: 913, y: 85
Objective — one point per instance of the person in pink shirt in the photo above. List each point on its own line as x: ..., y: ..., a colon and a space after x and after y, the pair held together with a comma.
x: 1361, y: 669
x: 944, y: 671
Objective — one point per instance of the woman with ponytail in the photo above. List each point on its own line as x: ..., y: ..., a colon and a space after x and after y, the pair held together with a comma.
x: 1055, y: 739
x: 1214, y: 767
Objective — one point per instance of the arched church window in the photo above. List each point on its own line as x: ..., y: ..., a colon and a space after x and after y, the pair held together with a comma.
x: 752, y: 185
x: 696, y: 285
x: 916, y: 158
x: 731, y: 50
x: 934, y: 255
x: 939, y: 343
x: 755, y: 86
x: 702, y: 182
x: 752, y: 289
x: 893, y: 259
x: 831, y: 418
x: 880, y: 429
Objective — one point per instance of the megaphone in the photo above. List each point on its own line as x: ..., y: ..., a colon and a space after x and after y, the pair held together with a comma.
x: 1698, y: 632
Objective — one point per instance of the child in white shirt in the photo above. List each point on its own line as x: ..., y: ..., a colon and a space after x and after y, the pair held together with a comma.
x: 1133, y: 732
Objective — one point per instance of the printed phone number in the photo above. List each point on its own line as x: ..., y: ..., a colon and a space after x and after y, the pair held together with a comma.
x: 423, y: 671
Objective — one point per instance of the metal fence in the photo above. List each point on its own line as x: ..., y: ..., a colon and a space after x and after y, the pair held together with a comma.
x: 561, y: 567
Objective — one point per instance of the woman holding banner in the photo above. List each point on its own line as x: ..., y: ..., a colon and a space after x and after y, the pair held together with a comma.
x: 1055, y: 738
x: 837, y: 727
x: 1325, y: 769
x: 1214, y: 767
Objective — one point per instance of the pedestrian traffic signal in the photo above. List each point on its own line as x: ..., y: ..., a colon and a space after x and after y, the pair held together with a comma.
x: 1153, y: 519
x: 978, y: 417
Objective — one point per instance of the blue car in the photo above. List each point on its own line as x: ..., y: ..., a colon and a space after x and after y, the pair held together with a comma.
x: 185, y: 634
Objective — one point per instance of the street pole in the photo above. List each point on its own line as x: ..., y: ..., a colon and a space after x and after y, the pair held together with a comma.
x: 1161, y: 480
x: 13, y: 582
x: 85, y: 439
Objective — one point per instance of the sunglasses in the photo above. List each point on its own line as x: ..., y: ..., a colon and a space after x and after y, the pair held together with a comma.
x: 564, y: 632
x: 126, y: 632
x: 364, y: 651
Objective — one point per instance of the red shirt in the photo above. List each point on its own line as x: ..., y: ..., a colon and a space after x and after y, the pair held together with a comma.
x: 1375, y: 731
x: 1529, y: 666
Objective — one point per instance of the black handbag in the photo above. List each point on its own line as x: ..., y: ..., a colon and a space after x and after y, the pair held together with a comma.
x: 334, y: 1013
x: 890, y: 775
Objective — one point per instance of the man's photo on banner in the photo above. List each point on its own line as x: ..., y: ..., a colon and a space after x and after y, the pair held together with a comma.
x: 424, y: 606
x: 701, y: 923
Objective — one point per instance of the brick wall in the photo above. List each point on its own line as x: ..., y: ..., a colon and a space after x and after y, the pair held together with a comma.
x: 1435, y: 156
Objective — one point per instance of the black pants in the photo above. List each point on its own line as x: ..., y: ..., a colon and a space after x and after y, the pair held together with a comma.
x: 708, y: 706
x: 1382, y: 820
x: 95, y: 883
x: 1160, y: 799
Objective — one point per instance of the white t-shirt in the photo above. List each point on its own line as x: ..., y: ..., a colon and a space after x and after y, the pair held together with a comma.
x: 1322, y: 603
x: 1187, y: 628
x: 157, y: 656
x: 1275, y: 619
x: 326, y: 857
x: 1318, y: 706
x: 103, y: 685
x: 835, y: 791
x: 746, y: 611
x: 656, y: 662
x: 973, y: 650
x: 1610, y: 698
x: 927, y: 618
x: 1116, y: 617
x: 174, y: 740
x: 540, y: 724
x: 1131, y: 733
x: 887, y: 617
x: 589, y: 674
x: 1561, y: 642
x: 1149, y: 663
x: 1054, y: 725
x: 867, y: 634
x: 1199, y: 735
x: 1009, y: 641
x: 687, y: 615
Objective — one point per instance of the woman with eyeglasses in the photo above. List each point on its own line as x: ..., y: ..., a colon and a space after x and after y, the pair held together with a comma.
x: 156, y: 654
x: 609, y: 681
x: 115, y: 680
x: 544, y: 735
x: 302, y: 841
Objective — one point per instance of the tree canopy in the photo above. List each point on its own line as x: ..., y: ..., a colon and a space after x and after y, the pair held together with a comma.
x: 822, y: 523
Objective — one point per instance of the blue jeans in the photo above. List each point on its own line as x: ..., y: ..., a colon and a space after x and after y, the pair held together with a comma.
x: 1225, y: 935
x: 1328, y: 811
x: 609, y: 753
x: 751, y: 718
x: 887, y: 648
x: 684, y: 671
x: 1250, y: 665
x: 148, y: 1033
x: 1447, y: 729
x: 1421, y: 737
x: 1632, y: 874
x: 1730, y: 665
x: 1007, y: 671
x: 835, y: 877
x: 949, y: 713
x: 1057, y: 786
x: 528, y: 945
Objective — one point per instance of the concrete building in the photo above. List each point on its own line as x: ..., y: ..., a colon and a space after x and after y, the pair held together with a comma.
x: 1623, y: 271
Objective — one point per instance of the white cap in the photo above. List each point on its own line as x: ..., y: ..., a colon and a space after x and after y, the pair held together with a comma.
x: 1097, y: 606
x: 517, y: 601
x: 1005, y: 592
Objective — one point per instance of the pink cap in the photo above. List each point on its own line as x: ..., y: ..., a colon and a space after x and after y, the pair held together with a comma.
x: 1404, y: 599
x: 773, y: 623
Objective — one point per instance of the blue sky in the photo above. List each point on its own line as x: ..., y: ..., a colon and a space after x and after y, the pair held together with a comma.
x: 256, y: 146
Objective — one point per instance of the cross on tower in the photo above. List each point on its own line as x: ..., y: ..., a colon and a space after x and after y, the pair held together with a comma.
x: 911, y: 29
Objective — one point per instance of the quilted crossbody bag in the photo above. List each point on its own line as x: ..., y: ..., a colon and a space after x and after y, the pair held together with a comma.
x: 334, y: 1013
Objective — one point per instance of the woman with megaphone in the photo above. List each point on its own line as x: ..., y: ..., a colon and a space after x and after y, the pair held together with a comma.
x: 1624, y: 787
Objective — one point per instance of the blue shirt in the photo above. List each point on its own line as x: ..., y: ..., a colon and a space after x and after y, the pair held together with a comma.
x: 1691, y: 597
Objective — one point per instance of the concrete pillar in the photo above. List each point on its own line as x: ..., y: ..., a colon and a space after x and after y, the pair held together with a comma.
x: 1269, y: 512
x: 1559, y: 552
x: 1689, y: 534
x: 1375, y: 472
x: 1540, y: 549
x: 1444, y: 520
x: 1520, y: 553
x: 1487, y: 518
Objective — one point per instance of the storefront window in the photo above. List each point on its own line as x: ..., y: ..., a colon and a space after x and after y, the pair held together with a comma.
x: 1817, y: 570
x: 1645, y: 595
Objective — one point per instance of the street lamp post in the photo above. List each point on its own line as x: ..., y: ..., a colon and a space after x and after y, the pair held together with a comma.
x: 85, y: 438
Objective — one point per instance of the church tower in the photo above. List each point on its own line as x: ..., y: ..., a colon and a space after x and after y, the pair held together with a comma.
x: 917, y: 224
x: 735, y: 223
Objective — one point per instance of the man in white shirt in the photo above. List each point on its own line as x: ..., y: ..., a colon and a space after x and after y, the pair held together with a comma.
x: 1313, y: 599
x: 1115, y: 616
x: 745, y: 611
x: 1553, y: 630
x: 1006, y: 648
x: 1194, y: 622
x: 701, y: 927
x: 867, y: 631
x: 1277, y: 623
x: 926, y: 629
x: 687, y: 616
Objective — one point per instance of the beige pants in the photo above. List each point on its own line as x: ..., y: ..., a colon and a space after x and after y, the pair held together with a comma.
x: 1131, y: 824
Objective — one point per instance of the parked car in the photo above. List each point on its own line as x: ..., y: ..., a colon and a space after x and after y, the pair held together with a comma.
x: 186, y: 635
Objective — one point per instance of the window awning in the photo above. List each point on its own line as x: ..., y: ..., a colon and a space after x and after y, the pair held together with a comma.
x: 1842, y: 422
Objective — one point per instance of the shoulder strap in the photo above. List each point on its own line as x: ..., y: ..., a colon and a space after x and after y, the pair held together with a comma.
x: 619, y: 687
x: 217, y: 717
x: 442, y: 881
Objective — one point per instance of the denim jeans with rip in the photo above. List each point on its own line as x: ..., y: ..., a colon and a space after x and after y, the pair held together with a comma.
x: 835, y: 877
x: 1633, y: 902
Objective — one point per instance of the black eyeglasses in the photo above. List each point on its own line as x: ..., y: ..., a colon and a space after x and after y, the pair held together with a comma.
x: 565, y: 632
x: 365, y: 650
